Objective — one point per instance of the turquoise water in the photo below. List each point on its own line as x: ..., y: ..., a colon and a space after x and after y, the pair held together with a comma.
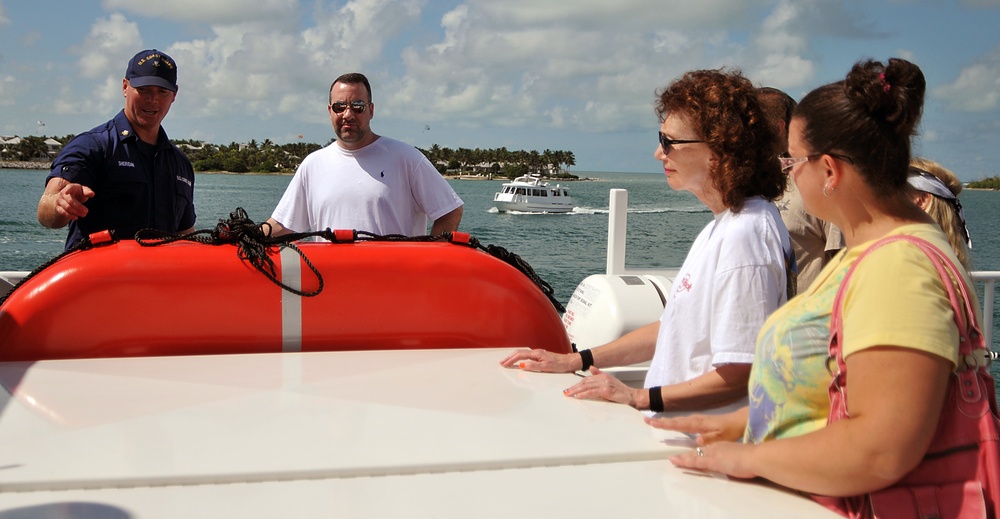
x: 562, y: 248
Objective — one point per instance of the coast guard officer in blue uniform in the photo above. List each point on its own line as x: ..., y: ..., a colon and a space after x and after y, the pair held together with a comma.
x: 124, y: 175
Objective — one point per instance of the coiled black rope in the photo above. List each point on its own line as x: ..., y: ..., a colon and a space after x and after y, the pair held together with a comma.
x: 87, y: 242
x: 252, y: 245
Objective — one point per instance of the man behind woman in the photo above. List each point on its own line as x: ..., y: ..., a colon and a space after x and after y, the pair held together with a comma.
x: 849, y: 148
x: 814, y: 241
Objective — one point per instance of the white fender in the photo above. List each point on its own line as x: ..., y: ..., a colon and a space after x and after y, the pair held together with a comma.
x: 604, y: 307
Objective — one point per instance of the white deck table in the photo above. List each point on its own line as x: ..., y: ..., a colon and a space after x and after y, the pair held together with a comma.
x: 428, y: 433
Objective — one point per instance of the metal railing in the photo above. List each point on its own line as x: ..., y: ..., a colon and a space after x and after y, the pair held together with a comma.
x: 989, y: 280
x: 618, y: 214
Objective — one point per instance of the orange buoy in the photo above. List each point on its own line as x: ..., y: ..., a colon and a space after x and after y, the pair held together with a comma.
x: 183, y: 298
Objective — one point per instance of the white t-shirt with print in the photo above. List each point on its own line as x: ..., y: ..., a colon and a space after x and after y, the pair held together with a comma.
x: 732, y: 279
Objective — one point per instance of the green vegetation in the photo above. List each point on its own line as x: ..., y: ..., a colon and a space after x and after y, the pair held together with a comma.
x: 986, y: 183
x: 268, y: 157
x: 265, y: 157
x: 501, y: 161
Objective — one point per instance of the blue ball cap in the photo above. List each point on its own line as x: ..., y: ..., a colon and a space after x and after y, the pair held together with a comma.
x: 152, y: 68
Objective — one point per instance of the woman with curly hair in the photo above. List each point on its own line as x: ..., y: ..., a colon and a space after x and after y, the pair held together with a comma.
x: 849, y: 156
x: 716, y: 142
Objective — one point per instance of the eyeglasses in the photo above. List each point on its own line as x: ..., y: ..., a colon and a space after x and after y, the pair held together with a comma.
x: 666, y: 143
x: 788, y: 162
x: 357, y: 107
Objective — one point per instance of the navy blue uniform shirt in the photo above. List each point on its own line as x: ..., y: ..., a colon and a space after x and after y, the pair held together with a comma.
x: 136, y: 185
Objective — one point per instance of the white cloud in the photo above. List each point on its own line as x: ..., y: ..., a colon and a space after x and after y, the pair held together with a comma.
x: 588, y: 65
x: 356, y: 34
x: 906, y: 54
x: 784, y: 71
x: 31, y: 38
x: 613, y: 16
x: 974, y: 90
x: 6, y: 84
x: 977, y: 87
x: 782, y: 31
x: 266, y: 68
x: 781, y: 46
x: 209, y: 11
x: 3, y: 15
x: 585, y: 57
x: 102, y: 56
x: 101, y: 51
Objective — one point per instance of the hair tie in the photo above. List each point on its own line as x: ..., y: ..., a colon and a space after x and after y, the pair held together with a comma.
x: 885, y: 86
x: 962, y: 222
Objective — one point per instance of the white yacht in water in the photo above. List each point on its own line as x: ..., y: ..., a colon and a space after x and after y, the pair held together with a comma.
x: 530, y: 194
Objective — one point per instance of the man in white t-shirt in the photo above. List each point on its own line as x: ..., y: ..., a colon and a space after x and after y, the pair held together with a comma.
x: 364, y: 181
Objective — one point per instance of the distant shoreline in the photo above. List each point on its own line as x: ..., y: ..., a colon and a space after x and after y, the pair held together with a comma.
x: 448, y: 177
x: 40, y: 166
x: 13, y: 164
x: 25, y: 164
x: 505, y: 179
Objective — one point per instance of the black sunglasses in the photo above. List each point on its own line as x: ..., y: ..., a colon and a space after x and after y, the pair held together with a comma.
x: 357, y: 107
x: 666, y: 143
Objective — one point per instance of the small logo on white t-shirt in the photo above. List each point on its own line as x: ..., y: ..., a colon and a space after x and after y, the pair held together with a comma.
x: 685, y: 284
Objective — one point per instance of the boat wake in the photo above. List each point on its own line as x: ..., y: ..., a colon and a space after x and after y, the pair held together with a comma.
x: 637, y: 210
x: 494, y: 210
x: 604, y: 210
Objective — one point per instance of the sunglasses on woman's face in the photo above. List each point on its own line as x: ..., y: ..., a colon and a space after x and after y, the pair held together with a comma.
x: 666, y: 143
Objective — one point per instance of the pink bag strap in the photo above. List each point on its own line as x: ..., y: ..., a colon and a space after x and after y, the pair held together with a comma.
x: 972, y: 351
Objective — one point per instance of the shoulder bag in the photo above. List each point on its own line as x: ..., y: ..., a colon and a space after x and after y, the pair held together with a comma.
x: 959, y: 476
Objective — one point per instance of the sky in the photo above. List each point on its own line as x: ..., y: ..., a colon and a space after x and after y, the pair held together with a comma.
x: 574, y: 75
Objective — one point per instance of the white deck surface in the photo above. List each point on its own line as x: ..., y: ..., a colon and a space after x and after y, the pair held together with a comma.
x: 444, y: 433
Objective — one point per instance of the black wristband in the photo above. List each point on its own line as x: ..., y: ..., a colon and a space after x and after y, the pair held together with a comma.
x: 587, y: 358
x: 655, y: 400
